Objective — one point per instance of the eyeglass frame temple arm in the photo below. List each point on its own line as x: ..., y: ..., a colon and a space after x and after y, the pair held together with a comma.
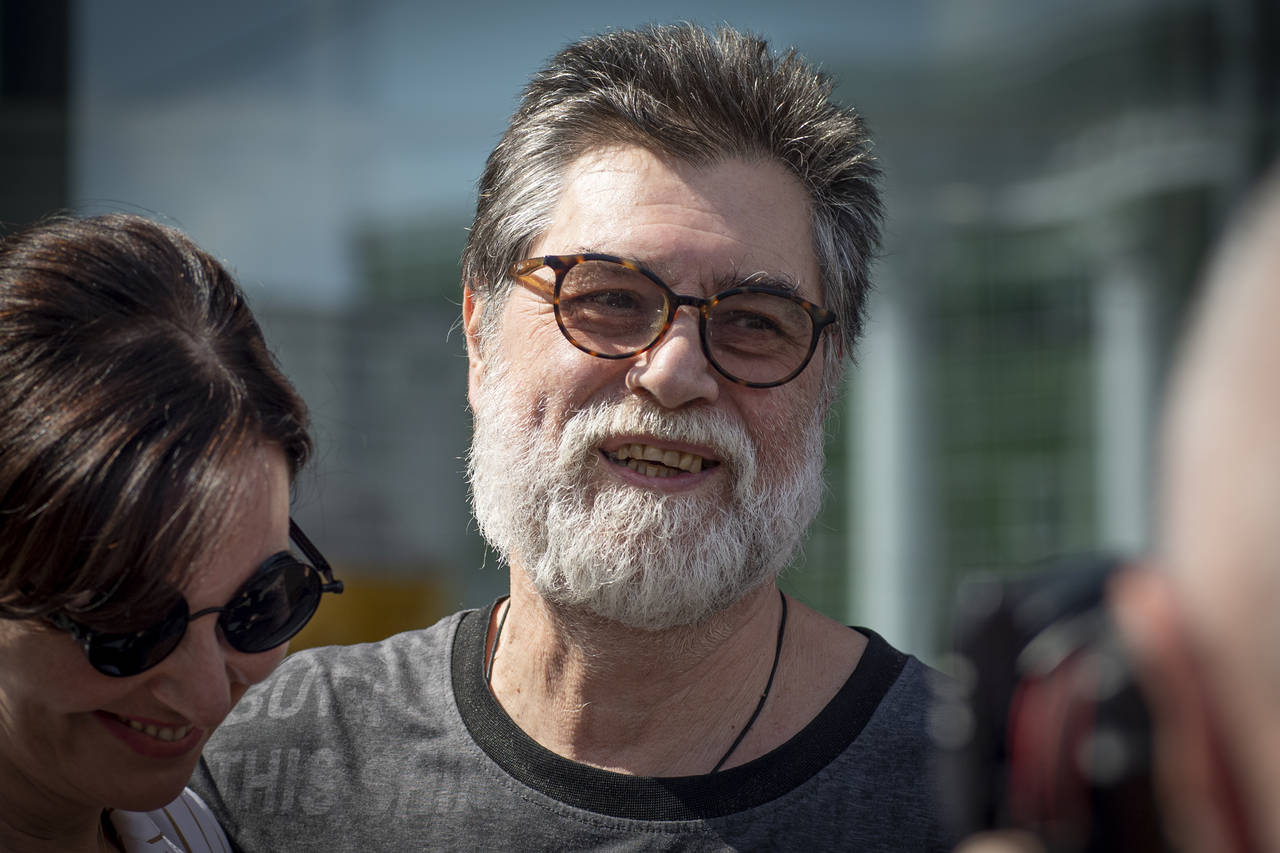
x: 312, y: 553
x: 523, y: 272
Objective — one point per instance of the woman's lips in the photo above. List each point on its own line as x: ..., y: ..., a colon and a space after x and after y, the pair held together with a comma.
x: 151, y: 738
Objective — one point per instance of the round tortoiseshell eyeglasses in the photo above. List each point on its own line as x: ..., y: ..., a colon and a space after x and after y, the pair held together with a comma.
x: 610, y: 307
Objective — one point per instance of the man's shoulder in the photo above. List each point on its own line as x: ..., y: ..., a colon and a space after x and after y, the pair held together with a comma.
x: 878, y: 788
x: 906, y: 685
x: 892, y: 695
x: 350, y: 681
x: 360, y: 741
x: 389, y: 652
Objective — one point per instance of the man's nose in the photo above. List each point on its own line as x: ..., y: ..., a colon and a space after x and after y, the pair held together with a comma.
x: 675, y: 371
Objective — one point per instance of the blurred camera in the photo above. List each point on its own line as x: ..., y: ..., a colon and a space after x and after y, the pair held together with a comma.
x: 1044, y: 727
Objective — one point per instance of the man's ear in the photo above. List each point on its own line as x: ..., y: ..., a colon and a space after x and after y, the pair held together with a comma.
x: 472, y: 309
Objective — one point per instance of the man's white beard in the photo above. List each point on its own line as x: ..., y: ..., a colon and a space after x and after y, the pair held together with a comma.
x: 640, y: 557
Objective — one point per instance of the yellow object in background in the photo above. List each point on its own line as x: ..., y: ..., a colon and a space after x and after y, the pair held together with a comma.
x: 374, y: 606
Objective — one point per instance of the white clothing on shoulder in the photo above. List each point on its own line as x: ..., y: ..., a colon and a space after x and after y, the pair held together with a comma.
x: 183, y: 826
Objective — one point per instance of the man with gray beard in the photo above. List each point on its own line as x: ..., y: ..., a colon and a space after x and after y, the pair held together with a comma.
x: 645, y: 558
x: 667, y: 265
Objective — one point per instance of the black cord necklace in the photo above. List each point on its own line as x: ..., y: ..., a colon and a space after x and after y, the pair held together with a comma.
x: 773, y: 670
x: 764, y: 696
x: 488, y: 665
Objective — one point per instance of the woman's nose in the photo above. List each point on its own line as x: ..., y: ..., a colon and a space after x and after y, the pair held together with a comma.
x: 198, y: 679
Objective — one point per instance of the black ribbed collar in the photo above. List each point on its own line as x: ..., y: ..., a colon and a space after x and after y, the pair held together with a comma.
x: 669, y: 797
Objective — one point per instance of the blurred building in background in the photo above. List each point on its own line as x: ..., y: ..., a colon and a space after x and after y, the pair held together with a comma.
x: 1056, y: 174
x: 1055, y: 171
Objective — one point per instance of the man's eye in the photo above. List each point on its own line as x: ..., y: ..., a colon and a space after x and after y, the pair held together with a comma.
x: 751, y: 322
x: 617, y: 300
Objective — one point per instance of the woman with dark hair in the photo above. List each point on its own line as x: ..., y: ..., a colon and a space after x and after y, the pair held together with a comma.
x: 148, y: 443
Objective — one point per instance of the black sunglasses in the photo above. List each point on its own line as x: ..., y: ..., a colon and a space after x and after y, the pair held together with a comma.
x: 267, y: 610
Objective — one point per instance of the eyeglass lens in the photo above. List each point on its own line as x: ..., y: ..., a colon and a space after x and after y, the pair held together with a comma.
x: 615, y: 311
x: 267, y: 610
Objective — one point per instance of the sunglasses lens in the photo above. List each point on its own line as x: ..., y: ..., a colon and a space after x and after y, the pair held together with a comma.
x: 273, y: 606
x: 130, y: 653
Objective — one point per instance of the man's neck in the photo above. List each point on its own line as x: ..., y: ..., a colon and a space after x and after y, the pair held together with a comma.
x: 665, y: 703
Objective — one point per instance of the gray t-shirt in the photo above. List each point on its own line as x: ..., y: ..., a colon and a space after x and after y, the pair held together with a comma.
x: 399, y: 745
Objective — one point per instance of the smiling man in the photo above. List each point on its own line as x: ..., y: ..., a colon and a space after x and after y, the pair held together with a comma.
x: 667, y: 265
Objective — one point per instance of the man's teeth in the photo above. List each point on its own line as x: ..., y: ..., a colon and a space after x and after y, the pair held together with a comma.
x: 165, y: 733
x: 639, y: 457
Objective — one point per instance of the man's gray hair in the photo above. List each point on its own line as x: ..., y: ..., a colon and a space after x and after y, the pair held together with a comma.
x: 697, y: 96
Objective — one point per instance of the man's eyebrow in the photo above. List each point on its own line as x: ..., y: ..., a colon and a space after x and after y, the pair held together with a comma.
x: 760, y: 278
x: 727, y: 281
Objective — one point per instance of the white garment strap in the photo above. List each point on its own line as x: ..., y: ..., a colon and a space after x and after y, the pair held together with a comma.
x: 183, y: 826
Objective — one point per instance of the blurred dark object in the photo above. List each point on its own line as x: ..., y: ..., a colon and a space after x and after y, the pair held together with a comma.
x: 1045, y: 728
x: 35, y: 51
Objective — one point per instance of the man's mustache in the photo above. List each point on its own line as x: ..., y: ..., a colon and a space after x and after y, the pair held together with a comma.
x: 715, y: 430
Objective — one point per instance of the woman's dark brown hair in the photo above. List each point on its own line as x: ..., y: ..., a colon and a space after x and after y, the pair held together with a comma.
x: 133, y: 379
